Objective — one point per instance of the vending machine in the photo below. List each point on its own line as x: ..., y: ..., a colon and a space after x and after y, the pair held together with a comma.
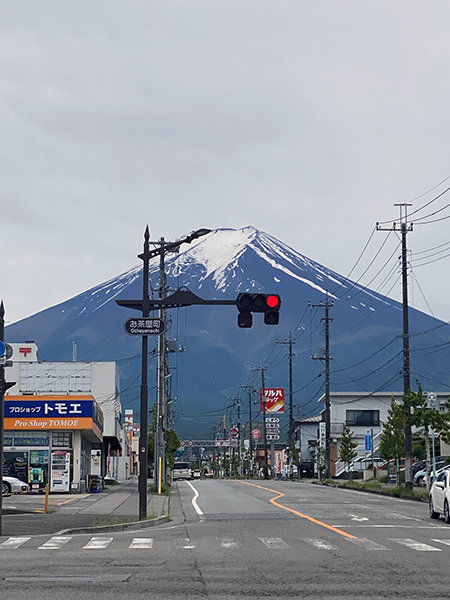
x: 60, y: 471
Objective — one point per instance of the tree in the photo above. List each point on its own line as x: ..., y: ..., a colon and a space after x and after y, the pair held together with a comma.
x: 427, y: 417
x: 172, y: 444
x: 392, y: 440
x: 347, y: 448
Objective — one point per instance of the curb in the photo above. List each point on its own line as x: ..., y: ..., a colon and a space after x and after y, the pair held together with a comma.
x: 117, y: 527
x: 369, y: 491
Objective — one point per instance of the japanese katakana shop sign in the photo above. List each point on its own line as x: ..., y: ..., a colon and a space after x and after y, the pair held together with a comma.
x: 48, y: 408
x: 274, y: 400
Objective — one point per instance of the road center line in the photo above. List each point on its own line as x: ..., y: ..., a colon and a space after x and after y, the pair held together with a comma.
x: 197, y: 509
x: 296, y: 512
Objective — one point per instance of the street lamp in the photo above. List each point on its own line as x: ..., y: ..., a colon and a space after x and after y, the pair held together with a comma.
x: 145, y: 306
x: 162, y: 249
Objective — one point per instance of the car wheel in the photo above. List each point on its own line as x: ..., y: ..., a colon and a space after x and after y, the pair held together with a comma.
x: 6, y: 488
x: 433, y: 514
x: 421, y: 481
x: 446, y: 513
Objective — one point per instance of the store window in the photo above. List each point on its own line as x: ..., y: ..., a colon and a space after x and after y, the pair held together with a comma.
x: 364, y: 418
x: 61, y: 439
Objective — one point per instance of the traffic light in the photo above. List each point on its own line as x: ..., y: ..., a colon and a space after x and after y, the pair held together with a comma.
x: 269, y: 304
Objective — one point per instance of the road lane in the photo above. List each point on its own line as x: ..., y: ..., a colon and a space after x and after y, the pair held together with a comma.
x: 245, y: 547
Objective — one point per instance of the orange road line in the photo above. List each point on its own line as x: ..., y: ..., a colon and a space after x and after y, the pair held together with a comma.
x: 71, y: 499
x: 299, y: 514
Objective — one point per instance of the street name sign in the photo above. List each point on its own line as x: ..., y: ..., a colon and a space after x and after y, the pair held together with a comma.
x: 144, y: 326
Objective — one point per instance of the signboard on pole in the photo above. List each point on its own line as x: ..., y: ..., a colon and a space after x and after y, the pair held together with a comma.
x: 144, y: 326
x: 322, y: 435
x: 273, y: 399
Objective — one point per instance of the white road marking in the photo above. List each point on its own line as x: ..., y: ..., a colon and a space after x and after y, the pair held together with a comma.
x: 142, y: 543
x: 320, y: 544
x: 229, y: 543
x: 446, y: 542
x: 367, y: 544
x: 55, y: 542
x: 274, y: 543
x: 357, y: 518
x: 414, y: 545
x: 197, y: 509
x: 14, y: 542
x: 96, y: 543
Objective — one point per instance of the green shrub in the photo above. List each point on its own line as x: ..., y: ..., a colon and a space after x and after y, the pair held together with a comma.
x: 372, y: 485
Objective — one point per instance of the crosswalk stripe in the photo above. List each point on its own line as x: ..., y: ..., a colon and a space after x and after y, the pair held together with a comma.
x: 320, y: 544
x: 367, y: 544
x: 14, y: 542
x: 229, y: 543
x: 142, y: 543
x: 96, y: 543
x: 415, y: 545
x: 274, y: 543
x: 55, y: 542
x: 446, y: 542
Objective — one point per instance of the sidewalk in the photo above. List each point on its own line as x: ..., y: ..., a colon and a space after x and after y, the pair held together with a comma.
x: 116, y: 507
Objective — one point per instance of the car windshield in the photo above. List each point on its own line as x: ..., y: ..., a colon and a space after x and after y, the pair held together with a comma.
x: 181, y: 465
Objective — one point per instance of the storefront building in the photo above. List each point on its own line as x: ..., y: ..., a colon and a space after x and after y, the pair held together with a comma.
x: 49, y: 439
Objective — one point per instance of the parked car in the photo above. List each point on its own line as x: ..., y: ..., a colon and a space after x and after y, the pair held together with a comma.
x: 439, y: 499
x: 196, y: 473
x: 420, y: 478
x: 12, y: 485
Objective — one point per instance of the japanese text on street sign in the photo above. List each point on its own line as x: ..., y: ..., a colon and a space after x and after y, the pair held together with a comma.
x: 144, y: 326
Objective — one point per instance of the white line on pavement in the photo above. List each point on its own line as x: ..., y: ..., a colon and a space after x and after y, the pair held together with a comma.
x: 197, y: 509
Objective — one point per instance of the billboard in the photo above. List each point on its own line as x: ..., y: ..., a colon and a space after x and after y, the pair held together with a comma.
x: 274, y: 400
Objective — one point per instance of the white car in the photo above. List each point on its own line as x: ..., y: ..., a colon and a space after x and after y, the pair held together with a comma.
x: 12, y: 485
x: 439, y: 500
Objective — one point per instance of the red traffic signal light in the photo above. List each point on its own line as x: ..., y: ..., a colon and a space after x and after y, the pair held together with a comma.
x: 247, y: 303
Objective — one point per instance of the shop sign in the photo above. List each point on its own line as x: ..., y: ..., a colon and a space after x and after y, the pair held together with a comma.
x: 49, y: 408
x: 44, y: 424
x: 273, y: 399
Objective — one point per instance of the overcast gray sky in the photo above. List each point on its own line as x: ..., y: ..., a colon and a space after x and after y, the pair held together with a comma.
x: 307, y: 119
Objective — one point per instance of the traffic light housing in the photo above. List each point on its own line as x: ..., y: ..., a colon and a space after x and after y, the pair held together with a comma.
x: 247, y: 303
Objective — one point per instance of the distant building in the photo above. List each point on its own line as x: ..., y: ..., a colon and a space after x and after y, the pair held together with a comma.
x: 363, y: 414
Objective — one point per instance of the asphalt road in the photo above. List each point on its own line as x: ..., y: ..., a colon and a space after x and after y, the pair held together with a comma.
x: 229, y: 540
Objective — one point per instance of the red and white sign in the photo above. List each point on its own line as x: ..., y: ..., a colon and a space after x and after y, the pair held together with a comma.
x: 256, y: 434
x: 234, y: 432
x: 274, y: 400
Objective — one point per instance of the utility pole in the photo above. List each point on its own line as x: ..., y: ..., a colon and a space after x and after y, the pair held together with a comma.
x: 161, y: 406
x: 404, y: 229
x: 326, y: 358
x: 249, y: 390
x: 263, y: 398
x: 290, y: 343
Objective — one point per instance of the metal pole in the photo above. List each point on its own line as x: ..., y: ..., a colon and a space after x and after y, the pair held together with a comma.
x: 327, y: 392
x: 291, y: 403
x: 143, y: 434
x: 266, y: 462
x: 406, y: 360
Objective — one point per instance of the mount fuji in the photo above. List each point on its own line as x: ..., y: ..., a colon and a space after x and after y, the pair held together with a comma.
x: 218, y: 357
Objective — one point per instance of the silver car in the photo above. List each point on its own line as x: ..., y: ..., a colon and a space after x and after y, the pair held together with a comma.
x: 439, y: 500
x: 12, y: 485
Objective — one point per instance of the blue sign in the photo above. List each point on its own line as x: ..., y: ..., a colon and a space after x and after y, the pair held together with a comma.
x: 368, y: 440
x: 2, y: 348
x: 48, y: 408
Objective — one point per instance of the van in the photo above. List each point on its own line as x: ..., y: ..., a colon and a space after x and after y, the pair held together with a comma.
x: 181, y: 470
